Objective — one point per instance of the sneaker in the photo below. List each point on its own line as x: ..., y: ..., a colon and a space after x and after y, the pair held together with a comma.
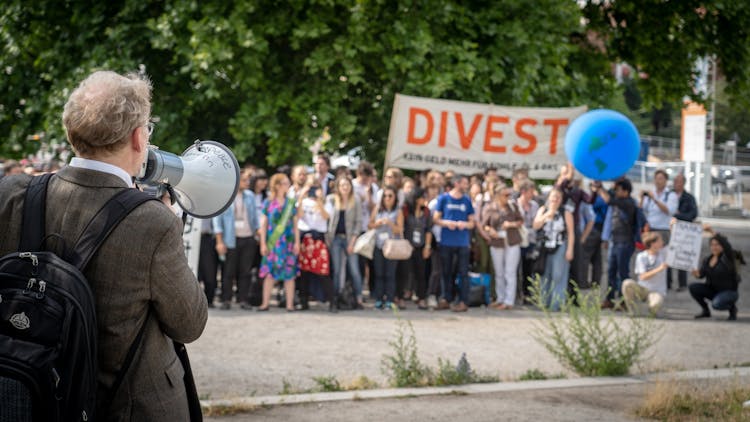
x: 442, y: 305
x: 432, y: 302
x: 389, y: 306
x: 607, y: 304
x: 226, y: 306
x: 421, y: 305
x: 460, y: 307
x: 378, y: 304
x: 245, y: 305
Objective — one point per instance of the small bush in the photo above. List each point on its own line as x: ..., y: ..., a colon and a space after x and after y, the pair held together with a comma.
x: 585, y: 341
x: 403, y: 368
x: 449, y: 374
x: 461, y: 373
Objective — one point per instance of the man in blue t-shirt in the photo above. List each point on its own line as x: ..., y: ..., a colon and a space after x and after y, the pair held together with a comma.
x: 455, y: 215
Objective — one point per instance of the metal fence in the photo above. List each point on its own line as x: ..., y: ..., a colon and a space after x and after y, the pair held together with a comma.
x: 722, y: 194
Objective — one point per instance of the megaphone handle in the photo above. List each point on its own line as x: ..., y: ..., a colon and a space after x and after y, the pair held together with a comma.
x: 171, y: 193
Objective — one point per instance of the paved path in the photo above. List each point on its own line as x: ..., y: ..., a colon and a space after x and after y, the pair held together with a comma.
x: 584, y: 399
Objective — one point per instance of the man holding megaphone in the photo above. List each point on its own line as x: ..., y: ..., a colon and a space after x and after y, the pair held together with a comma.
x: 139, y: 276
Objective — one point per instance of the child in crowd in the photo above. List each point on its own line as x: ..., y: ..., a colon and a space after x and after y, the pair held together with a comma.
x: 650, y: 269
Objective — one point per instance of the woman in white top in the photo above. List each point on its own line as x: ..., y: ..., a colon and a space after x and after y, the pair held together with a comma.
x: 555, y: 224
x: 314, y: 258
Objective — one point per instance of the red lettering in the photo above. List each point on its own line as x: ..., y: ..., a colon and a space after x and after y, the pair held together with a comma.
x: 466, y: 139
x: 555, y: 123
x: 443, y: 126
x: 490, y: 133
x: 413, y: 113
x: 525, y: 135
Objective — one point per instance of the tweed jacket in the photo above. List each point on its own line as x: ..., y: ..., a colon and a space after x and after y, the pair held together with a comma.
x: 353, y: 216
x: 141, y: 266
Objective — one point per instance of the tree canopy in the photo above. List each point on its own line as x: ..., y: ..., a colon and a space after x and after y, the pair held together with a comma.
x: 267, y: 78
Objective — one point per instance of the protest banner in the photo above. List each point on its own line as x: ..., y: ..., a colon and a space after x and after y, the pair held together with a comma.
x: 684, y: 249
x: 467, y: 137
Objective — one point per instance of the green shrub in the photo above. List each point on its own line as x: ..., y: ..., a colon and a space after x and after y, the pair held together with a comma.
x: 589, y: 343
x: 538, y: 375
x: 461, y: 373
x: 403, y: 368
x: 328, y: 384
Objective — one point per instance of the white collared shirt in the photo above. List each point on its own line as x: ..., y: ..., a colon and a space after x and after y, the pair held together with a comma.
x: 658, y: 219
x: 86, y: 163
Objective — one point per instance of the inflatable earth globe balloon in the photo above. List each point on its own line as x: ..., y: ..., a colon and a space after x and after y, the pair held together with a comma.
x: 602, y: 144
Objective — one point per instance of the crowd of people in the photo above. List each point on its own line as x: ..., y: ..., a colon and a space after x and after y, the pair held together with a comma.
x: 298, y: 229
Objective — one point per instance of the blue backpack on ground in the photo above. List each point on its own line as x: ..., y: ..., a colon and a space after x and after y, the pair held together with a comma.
x: 479, y: 288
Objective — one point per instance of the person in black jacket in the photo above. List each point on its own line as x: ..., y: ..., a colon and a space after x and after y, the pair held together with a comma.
x: 687, y: 210
x: 722, y: 276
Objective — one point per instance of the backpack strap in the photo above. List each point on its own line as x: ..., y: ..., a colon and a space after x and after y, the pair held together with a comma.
x: 95, y: 233
x: 105, y: 220
x: 33, y: 222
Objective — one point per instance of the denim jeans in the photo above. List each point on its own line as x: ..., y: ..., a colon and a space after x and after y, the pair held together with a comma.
x: 555, y: 278
x: 722, y: 301
x: 619, y: 266
x: 340, y: 262
x: 455, y: 263
x: 385, y: 276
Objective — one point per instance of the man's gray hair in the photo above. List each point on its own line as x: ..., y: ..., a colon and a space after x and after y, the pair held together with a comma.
x: 104, y: 110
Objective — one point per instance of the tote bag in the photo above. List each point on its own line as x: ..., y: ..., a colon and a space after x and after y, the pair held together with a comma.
x: 365, y: 244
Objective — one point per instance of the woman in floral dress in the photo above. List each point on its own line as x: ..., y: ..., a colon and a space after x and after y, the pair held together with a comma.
x: 279, y: 241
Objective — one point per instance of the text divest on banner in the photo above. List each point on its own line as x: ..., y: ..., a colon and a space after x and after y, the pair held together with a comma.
x: 470, y: 137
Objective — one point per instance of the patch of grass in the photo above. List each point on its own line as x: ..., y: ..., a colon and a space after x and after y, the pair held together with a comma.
x: 586, y: 341
x: 327, y: 384
x: 461, y: 373
x: 212, y: 411
x: 404, y: 369
x: 673, y: 401
x: 538, y: 375
x: 361, y: 383
x: 287, y: 388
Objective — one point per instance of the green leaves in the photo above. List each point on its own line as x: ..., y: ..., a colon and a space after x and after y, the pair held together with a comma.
x: 266, y: 78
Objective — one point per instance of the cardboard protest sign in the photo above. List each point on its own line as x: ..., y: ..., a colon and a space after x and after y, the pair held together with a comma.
x: 684, y: 249
x: 470, y: 137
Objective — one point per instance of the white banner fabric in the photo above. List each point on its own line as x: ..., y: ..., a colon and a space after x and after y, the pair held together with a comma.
x: 470, y: 137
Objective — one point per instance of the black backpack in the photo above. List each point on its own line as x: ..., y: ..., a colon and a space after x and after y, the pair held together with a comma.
x: 48, y: 331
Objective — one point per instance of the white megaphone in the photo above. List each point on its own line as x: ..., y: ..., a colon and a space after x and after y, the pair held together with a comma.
x: 203, y: 180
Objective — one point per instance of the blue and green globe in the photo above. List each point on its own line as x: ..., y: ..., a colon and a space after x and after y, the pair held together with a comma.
x: 602, y: 144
